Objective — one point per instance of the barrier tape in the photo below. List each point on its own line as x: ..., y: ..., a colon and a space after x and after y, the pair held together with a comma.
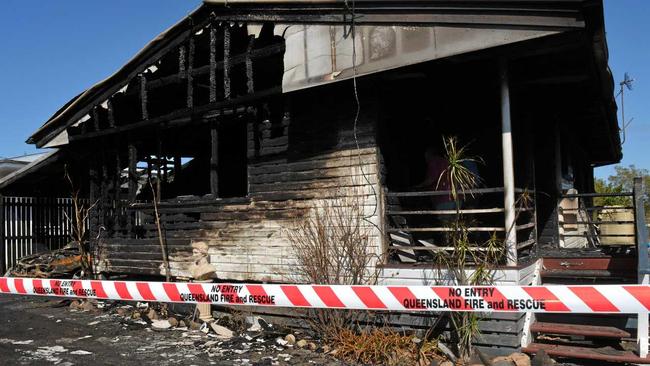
x: 631, y: 299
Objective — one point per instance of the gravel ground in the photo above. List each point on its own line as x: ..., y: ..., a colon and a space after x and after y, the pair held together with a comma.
x: 41, y: 331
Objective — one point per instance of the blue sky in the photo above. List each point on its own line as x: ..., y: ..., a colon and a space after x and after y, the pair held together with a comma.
x: 53, y: 50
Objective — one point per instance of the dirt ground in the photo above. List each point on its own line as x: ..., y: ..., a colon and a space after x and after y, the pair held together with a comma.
x: 42, y: 331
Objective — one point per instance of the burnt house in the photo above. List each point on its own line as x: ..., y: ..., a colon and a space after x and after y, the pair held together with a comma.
x: 244, y: 116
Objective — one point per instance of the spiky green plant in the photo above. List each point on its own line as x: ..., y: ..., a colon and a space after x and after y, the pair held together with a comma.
x: 483, y: 257
x: 461, y: 181
x: 457, y: 174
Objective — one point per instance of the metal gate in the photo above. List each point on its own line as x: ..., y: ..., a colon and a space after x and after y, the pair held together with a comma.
x: 30, y: 225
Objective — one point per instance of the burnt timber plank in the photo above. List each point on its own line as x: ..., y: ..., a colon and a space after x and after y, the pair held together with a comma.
x: 579, y: 329
x: 562, y: 273
x: 585, y: 263
x: 598, y: 354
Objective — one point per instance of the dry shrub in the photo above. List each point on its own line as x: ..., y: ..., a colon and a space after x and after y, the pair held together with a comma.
x: 331, y: 244
x: 384, y: 346
x: 331, y: 248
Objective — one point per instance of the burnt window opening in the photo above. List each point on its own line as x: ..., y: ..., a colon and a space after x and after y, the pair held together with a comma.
x: 232, y: 158
x: 176, y: 176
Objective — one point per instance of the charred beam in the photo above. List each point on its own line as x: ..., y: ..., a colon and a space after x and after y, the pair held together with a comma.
x: 250, y: 85
x: 117, y: 177
x: 185, y: 116
x: 181, y: 61
x: 255, y: 54
x: 93, y: 195
x: 226, y: 62
x: 155, y: 57
x: 159, y: 167
x: 96, y: 118
x: 133, y: 185
x: 143, y: 97
x: 178, y: 167
x: 213, y: 64
x: 111, y: 116
x: 214, y: 159
x: 133, y: 173
x: 190, y: 78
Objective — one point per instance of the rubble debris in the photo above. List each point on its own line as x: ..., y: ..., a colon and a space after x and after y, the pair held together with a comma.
x: 194, y: 325
x: 254, y: 324
x: 87, y: 306
x: 160, y: 324
x: 514, y: 359
x: 173, y: 321
x: 152, y: 314
x: 290, y: 338
x: 59, y: 263
x: 14, y: 342
x: 520, y: 359
x: 81, y: 352
x: 301, y: 343
x: 221, y: 331
x: 542, y: 359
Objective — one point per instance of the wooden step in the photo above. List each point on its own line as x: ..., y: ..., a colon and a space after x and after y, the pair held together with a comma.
x: 579, y: 330
x: 619, y: 263
x: 584, y: 353
x: 593, y: 273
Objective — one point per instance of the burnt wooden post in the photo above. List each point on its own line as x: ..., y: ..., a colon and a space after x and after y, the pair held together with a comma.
x: 178, y: 166
x: 159, y: 168
x: 226, y: 62
x: 3, y: 247
x: 117, y: 181
x: 111, y: 115
x: 104, y: 203
x: 133, y: 184
x: 181, y: 61
x: 93, y: 196
x: 250, y: 85
x: 557, y: 213
x: 190, y: 77
x: 508, y: 167
x: 643, y: 270
x: 143, y: 97
x: 95, y: 118
x: 214, y: 158
x: 213, y: 64
x: 133, y: 174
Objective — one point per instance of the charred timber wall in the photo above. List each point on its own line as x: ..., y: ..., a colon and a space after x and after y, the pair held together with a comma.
x: 296, y: 162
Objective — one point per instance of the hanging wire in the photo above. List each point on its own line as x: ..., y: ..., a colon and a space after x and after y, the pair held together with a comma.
x: 352, y: 10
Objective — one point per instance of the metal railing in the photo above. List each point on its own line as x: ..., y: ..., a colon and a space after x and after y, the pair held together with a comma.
x: 585, y: 222
x: 420, y: 223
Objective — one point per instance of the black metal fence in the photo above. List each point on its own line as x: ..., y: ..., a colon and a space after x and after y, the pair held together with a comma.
x: 30, y: 225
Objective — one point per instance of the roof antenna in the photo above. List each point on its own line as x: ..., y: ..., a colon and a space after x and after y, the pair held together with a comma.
x: 626, y: 83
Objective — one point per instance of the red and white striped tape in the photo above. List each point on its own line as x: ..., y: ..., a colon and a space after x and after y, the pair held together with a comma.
x: 630, y: 299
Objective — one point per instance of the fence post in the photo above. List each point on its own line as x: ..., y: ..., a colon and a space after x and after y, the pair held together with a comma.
x: 3, y: 246
x: 642, y: 266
